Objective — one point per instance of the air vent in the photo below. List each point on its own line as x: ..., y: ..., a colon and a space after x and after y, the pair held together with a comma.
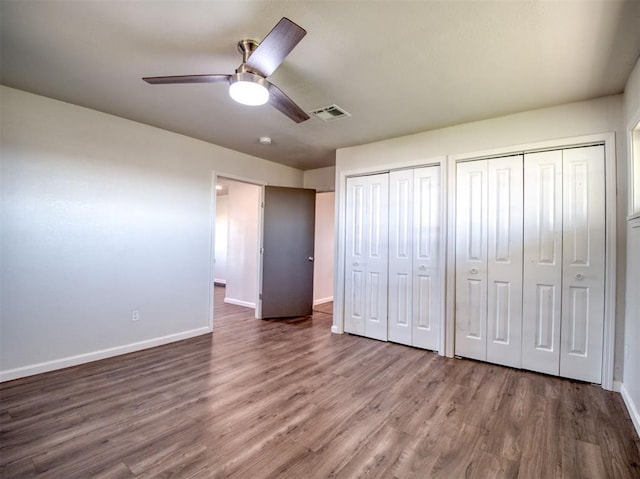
x: 330, y: 113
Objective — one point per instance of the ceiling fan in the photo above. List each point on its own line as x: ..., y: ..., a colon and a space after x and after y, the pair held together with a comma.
x: 249, y: 84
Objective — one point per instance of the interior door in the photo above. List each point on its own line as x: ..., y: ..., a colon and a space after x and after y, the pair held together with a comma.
x: 471, y: 259
x: 426, y: 258
x: 287, y: 256
x: 400, y: 256
x: 366, y: 258
x: 583, y: 242
x: 542, y: 293
x: 504, y: 252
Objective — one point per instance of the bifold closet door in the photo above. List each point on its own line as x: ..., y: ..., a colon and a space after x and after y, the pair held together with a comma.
x: 542, y: 294
x: 489, y: 260
x: 471, y: 259
x: 414, y: 292
x: 504, y: 258
x: 564, y: 263
x: 583, y: 265
x: 366, y: 261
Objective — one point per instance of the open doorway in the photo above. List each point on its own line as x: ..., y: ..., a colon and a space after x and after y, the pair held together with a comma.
x: 323, y: 252
x: 237, y: 240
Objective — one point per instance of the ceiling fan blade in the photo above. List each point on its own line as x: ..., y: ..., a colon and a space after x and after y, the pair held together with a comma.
x: 276, y: 46
x: 187, y: 79
x: 285, y: 105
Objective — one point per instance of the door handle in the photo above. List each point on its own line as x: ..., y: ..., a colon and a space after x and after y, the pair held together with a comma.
x: 311, y: 258
x: 579, y: 277
x: 473, y: 271
x: 356, y: 263
x: 422, y: 267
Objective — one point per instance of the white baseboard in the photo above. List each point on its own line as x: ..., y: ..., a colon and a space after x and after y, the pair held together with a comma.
x: 631, y: 407
x: 238, y: 302
x: 316, y: 302
x: 617, y: 386
x: 334, y: 329
x: 62, y: 363
x: 220, y: 281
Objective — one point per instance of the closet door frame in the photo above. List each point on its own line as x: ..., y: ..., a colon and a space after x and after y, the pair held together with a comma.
x: 341, y: 230
x: 606, y: 139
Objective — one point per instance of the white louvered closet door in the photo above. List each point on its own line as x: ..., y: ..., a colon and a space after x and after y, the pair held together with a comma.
x: 414, y: 280
x: 471, y: 260
x: 366, y: 258
x: 583, y: 239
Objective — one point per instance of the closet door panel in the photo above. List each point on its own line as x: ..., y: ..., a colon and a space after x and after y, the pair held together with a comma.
x: 542, y: 288
x: 583, y: 263
x: 376, y: 256
x: 471, y: 260
x: 504, y: 250
x: 426, y: 259
x: 356, y: 246
x: 400, y: 255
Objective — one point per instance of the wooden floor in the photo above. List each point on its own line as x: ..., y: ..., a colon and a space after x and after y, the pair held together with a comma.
x: 289, y: 399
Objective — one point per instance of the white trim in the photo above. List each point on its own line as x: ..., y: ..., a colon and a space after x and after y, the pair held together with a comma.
x: 242, y: 179
x: 444, y: 224
x: 560, y: 143
x: 258, y: 279
x: 239, y: 302
x: 219, y: 281
x: 339, y: 252
x: 608, y: 347
x: 633, y: 123
x: 98, y: 355
x: 212, y: 249
x: 260, y: 253
x: 611, y: 248
x: 631, y: 407
x: 450, y: 285
x: 328, y: 299
x: 617, y: 386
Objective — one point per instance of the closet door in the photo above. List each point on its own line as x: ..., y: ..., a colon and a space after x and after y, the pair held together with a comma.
x: 542, y: 293
x: 504, y: 261
x: 367, y: 256
x: 426, y: 258
x: 471, y: 259
x: 489, y: 260
x: 583, y: 263
x: 414, y: 291
x: 401, y: 234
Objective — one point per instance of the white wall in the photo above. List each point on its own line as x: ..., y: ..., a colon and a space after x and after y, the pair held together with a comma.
x: 222, y: 231
x: 323, y: 250
x: 100, y: 216
x: 631, y: 378
x: 576, y: 119
x: 321, y: 179
x: 242, y: 248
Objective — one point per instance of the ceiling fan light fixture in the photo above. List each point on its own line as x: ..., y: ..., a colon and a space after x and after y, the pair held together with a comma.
x: 248, y: 89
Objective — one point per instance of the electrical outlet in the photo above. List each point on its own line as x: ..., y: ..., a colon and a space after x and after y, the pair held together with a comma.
x: 135, y: 315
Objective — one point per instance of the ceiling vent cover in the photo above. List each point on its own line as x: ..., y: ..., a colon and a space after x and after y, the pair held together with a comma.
x: 330, y: 113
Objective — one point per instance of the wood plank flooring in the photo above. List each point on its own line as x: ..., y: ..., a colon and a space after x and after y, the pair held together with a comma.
x: 288, y: 399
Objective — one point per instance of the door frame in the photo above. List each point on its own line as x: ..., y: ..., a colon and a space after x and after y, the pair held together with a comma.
x: 341, y: 231
x: 606, y: 139
x: 212, y: 237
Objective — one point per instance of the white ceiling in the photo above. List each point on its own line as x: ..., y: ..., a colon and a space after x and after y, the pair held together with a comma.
x: 397, y: 67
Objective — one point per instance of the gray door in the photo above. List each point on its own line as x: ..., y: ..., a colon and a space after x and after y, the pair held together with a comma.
x: 287, y: 261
